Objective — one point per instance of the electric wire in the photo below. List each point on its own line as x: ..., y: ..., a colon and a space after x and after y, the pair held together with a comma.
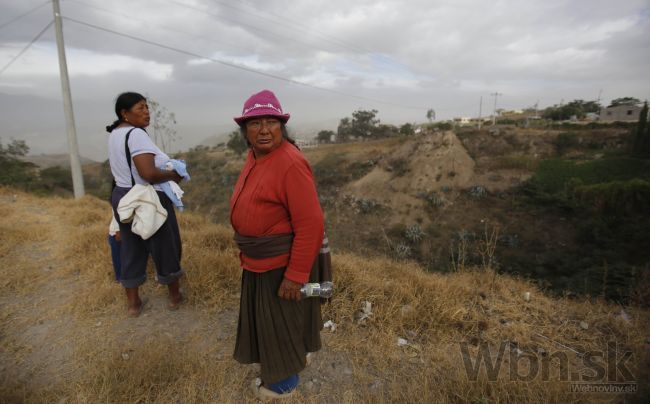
x: 166, y: 28
x: 213, y: 15
x: 236, y: 66
x: 304, y: 28
x: 390, y: 62
x: 26, y: 47
x: 239, y: 23
x: 4, y: 24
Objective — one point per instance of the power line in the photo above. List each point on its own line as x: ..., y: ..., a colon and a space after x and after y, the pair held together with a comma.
x: 202, y: 11
x: 22, y: 15
x: 26, y: 47
x: 250, y: 26
x: 236, y: 66
x: 335, y: 41
x: 329, y: 38
x: 166, y: 28
x: 213, y: 15
x: 305, y: 28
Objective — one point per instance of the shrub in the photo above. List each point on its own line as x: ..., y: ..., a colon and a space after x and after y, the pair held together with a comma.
x: 399, y: 167
x: 358, y: 169
x: 515, y: 163
x: 440, y: 126
x: 616, y: 197
x: 56, y: 178
x: 552, y: 174
x: 432, y: 199
x: 414, y: 234
x: 565, y: 141
x: 361, y: 205
x: 16, y: 172
x: 402, y: 251
x: 477, y: 192
x: 330, y: 172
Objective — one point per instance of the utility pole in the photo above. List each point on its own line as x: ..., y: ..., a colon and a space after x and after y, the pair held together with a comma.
x: 480, y: 110
x: 494, y: 111
x: 73, y: 149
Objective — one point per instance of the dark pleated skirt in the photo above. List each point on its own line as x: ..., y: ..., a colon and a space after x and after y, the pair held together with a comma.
x: 273, y: 332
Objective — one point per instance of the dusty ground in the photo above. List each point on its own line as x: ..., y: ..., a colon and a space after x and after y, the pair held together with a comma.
x: 48, y: 341
x: 437, y: 162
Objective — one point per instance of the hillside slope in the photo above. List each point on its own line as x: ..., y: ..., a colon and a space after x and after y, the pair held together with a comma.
x: 400, y: 332
x: 419, y: 166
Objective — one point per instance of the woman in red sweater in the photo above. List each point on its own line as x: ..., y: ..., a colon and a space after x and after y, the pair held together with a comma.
x: 279, y: 228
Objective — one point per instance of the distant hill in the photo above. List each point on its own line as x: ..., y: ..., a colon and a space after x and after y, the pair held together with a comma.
x: 214, y: 140
x: 306, y: 132
x: 53, y: 160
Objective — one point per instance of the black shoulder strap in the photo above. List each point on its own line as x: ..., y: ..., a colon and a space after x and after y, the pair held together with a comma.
x: 127, y: 152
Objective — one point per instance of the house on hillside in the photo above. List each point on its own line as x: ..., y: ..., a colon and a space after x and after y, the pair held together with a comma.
x: 306, y: 144
x: 462, y: 120
x: 621, y: 113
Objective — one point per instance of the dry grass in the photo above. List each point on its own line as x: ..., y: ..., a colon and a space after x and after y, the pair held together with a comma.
x: 64, y: 335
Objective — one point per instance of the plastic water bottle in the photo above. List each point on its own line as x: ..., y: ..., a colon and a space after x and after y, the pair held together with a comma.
x: 324, y: 289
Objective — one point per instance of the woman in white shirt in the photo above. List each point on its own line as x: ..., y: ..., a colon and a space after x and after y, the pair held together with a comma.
x: 134, y: 159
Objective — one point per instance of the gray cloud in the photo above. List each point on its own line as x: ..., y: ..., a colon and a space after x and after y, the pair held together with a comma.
x: 429, y: 54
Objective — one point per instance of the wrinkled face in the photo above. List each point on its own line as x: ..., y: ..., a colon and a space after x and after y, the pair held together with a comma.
x: 138, y: 115
x: 264, y: 134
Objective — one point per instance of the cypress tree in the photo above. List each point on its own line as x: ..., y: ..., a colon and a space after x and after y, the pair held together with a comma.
x: 646, y: 138
x: 641, y: 141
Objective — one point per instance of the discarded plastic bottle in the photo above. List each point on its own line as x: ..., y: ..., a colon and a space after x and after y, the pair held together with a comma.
x: 324, y: 290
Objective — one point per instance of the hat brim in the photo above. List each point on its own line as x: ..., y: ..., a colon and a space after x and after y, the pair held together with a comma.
x: 256, y: 114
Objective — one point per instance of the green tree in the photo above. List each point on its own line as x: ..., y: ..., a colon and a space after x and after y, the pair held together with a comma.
x: 642, y: 137
x: 364, y: 123
x: 591, y: 106
x: 383, y: 131
x: 16, y: 172
x: 431, y: 115
x: 236, y: 142
x: 577, y: 108
x: 407, y: 130
x: 325, y: 136
x: 630, y: 101
x: 344, y: 131
x: 564, y: 142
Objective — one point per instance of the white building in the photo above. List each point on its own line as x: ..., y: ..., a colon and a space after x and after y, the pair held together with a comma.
x: 620, y: 113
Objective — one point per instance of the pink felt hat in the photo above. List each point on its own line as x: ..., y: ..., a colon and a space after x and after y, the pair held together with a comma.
x: 263, y: 103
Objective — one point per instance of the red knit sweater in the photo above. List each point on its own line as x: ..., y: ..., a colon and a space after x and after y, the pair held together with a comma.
x: 276, y: 194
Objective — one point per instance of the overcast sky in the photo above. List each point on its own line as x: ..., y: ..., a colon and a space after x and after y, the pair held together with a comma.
x: 323, y: 59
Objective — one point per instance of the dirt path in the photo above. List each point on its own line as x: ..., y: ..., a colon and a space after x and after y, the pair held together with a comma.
x: 49, y: 341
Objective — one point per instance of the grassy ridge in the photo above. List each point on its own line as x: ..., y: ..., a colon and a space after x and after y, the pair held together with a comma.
x: 186, y: 357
